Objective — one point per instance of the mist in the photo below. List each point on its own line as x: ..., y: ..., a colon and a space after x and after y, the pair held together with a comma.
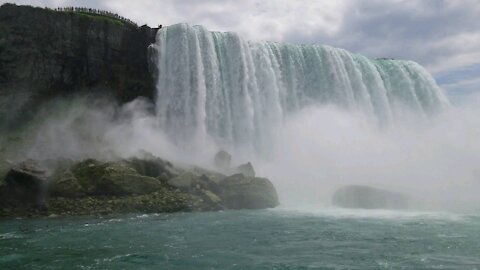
x: 433, y: 160
x: 312, y: 153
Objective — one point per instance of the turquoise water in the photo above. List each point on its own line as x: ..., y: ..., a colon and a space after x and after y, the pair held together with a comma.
x: 269, y: 239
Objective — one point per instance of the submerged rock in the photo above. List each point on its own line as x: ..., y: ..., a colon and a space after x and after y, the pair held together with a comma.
x: 366, y: 197
x: 241, y: 192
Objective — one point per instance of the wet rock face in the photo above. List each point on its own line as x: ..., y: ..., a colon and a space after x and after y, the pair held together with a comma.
x: 246, y: 169
x: 241, y: 192
x: 25, y: 185
x: 110, y: 179
x: 138, y: 184
x: 46, y: 54
x: 366, y: 197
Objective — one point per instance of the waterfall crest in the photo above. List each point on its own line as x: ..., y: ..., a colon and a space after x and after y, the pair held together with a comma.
x: 218, y: 85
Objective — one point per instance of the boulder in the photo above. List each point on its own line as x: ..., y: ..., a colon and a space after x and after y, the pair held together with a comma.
x: 150, y: 184
x: 223, y: 160
x: 201, y: 187
x: 246, y: 169
x: 185, y: 181
x: 357, y: 196
x: 191, y: 182
x: 112, y: 178
x: 241, y: 192
x: 153, y: 167
x: 213, y: 176
x: 25, y: 185
x: 65, y: 184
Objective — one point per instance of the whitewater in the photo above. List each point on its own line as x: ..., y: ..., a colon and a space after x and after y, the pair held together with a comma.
x: 218, y: 85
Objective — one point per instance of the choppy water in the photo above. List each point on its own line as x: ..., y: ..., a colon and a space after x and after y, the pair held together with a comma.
x: 270, y: 239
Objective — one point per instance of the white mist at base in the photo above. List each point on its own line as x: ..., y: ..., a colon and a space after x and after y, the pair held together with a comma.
x: 95, y: 127
x: 323, y: 148
x: 313, y: 152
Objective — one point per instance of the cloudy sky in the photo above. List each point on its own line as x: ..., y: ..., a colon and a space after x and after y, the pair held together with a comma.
x: 442, y: 35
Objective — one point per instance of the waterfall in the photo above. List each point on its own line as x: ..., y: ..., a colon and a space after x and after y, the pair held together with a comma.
x: 220, y: 86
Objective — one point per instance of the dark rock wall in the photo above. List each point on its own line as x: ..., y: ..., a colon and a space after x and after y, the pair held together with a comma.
x: 46, y: 54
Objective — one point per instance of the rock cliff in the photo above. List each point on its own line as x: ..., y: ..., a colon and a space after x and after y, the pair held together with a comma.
x: 45, y: 54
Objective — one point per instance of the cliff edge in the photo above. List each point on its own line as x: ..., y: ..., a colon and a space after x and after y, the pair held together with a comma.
x: 45, y: 54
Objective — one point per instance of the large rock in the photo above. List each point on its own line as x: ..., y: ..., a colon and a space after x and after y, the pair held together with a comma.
x: 241, y: 192
x: 154, y: 167
x: 185, y: 181
x: 138, y: 184
x: 366, y: 197
x: 65, y: 184
x: 246, y: 169
x: 112, y: 178
x: 25, y: 185
x: 199, y: 185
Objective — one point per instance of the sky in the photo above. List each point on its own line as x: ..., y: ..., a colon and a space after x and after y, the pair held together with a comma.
x: 441, y: 35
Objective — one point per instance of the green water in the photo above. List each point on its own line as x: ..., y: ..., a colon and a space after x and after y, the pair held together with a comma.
x: 270, y: 239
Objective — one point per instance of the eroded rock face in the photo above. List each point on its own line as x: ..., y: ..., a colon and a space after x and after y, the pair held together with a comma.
x: 46, y: 54
x: 25, y: 185
x: 366, y: 197
x: 113, y: 178
x: 241, y: 192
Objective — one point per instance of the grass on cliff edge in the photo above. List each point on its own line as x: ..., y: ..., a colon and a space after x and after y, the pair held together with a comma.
x: 100, y: 17
x: 97, y: 17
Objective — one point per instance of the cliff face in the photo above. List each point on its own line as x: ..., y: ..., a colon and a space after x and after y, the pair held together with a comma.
x: 45, y: 54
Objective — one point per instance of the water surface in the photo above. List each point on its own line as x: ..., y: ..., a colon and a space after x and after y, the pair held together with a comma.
x: 269, y: 239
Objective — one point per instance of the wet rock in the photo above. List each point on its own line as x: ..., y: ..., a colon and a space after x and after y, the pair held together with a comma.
x: 67, y: 185
x: 357, y: 196
x: 25, y: 185
x: 241, y: 192
x: 193, y: 183
x: 214, y: 198
x: 153, y: 167
x: 133, y: 185
x: 246, y: 169
x: 213, y: 176
x: 185, y: 181
x: 112, y: 178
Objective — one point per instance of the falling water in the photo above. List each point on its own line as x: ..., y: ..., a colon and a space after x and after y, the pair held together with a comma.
x: 220, y: 86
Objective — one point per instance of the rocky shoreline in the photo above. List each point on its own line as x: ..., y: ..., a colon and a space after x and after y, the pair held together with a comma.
x: 144, y: 185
